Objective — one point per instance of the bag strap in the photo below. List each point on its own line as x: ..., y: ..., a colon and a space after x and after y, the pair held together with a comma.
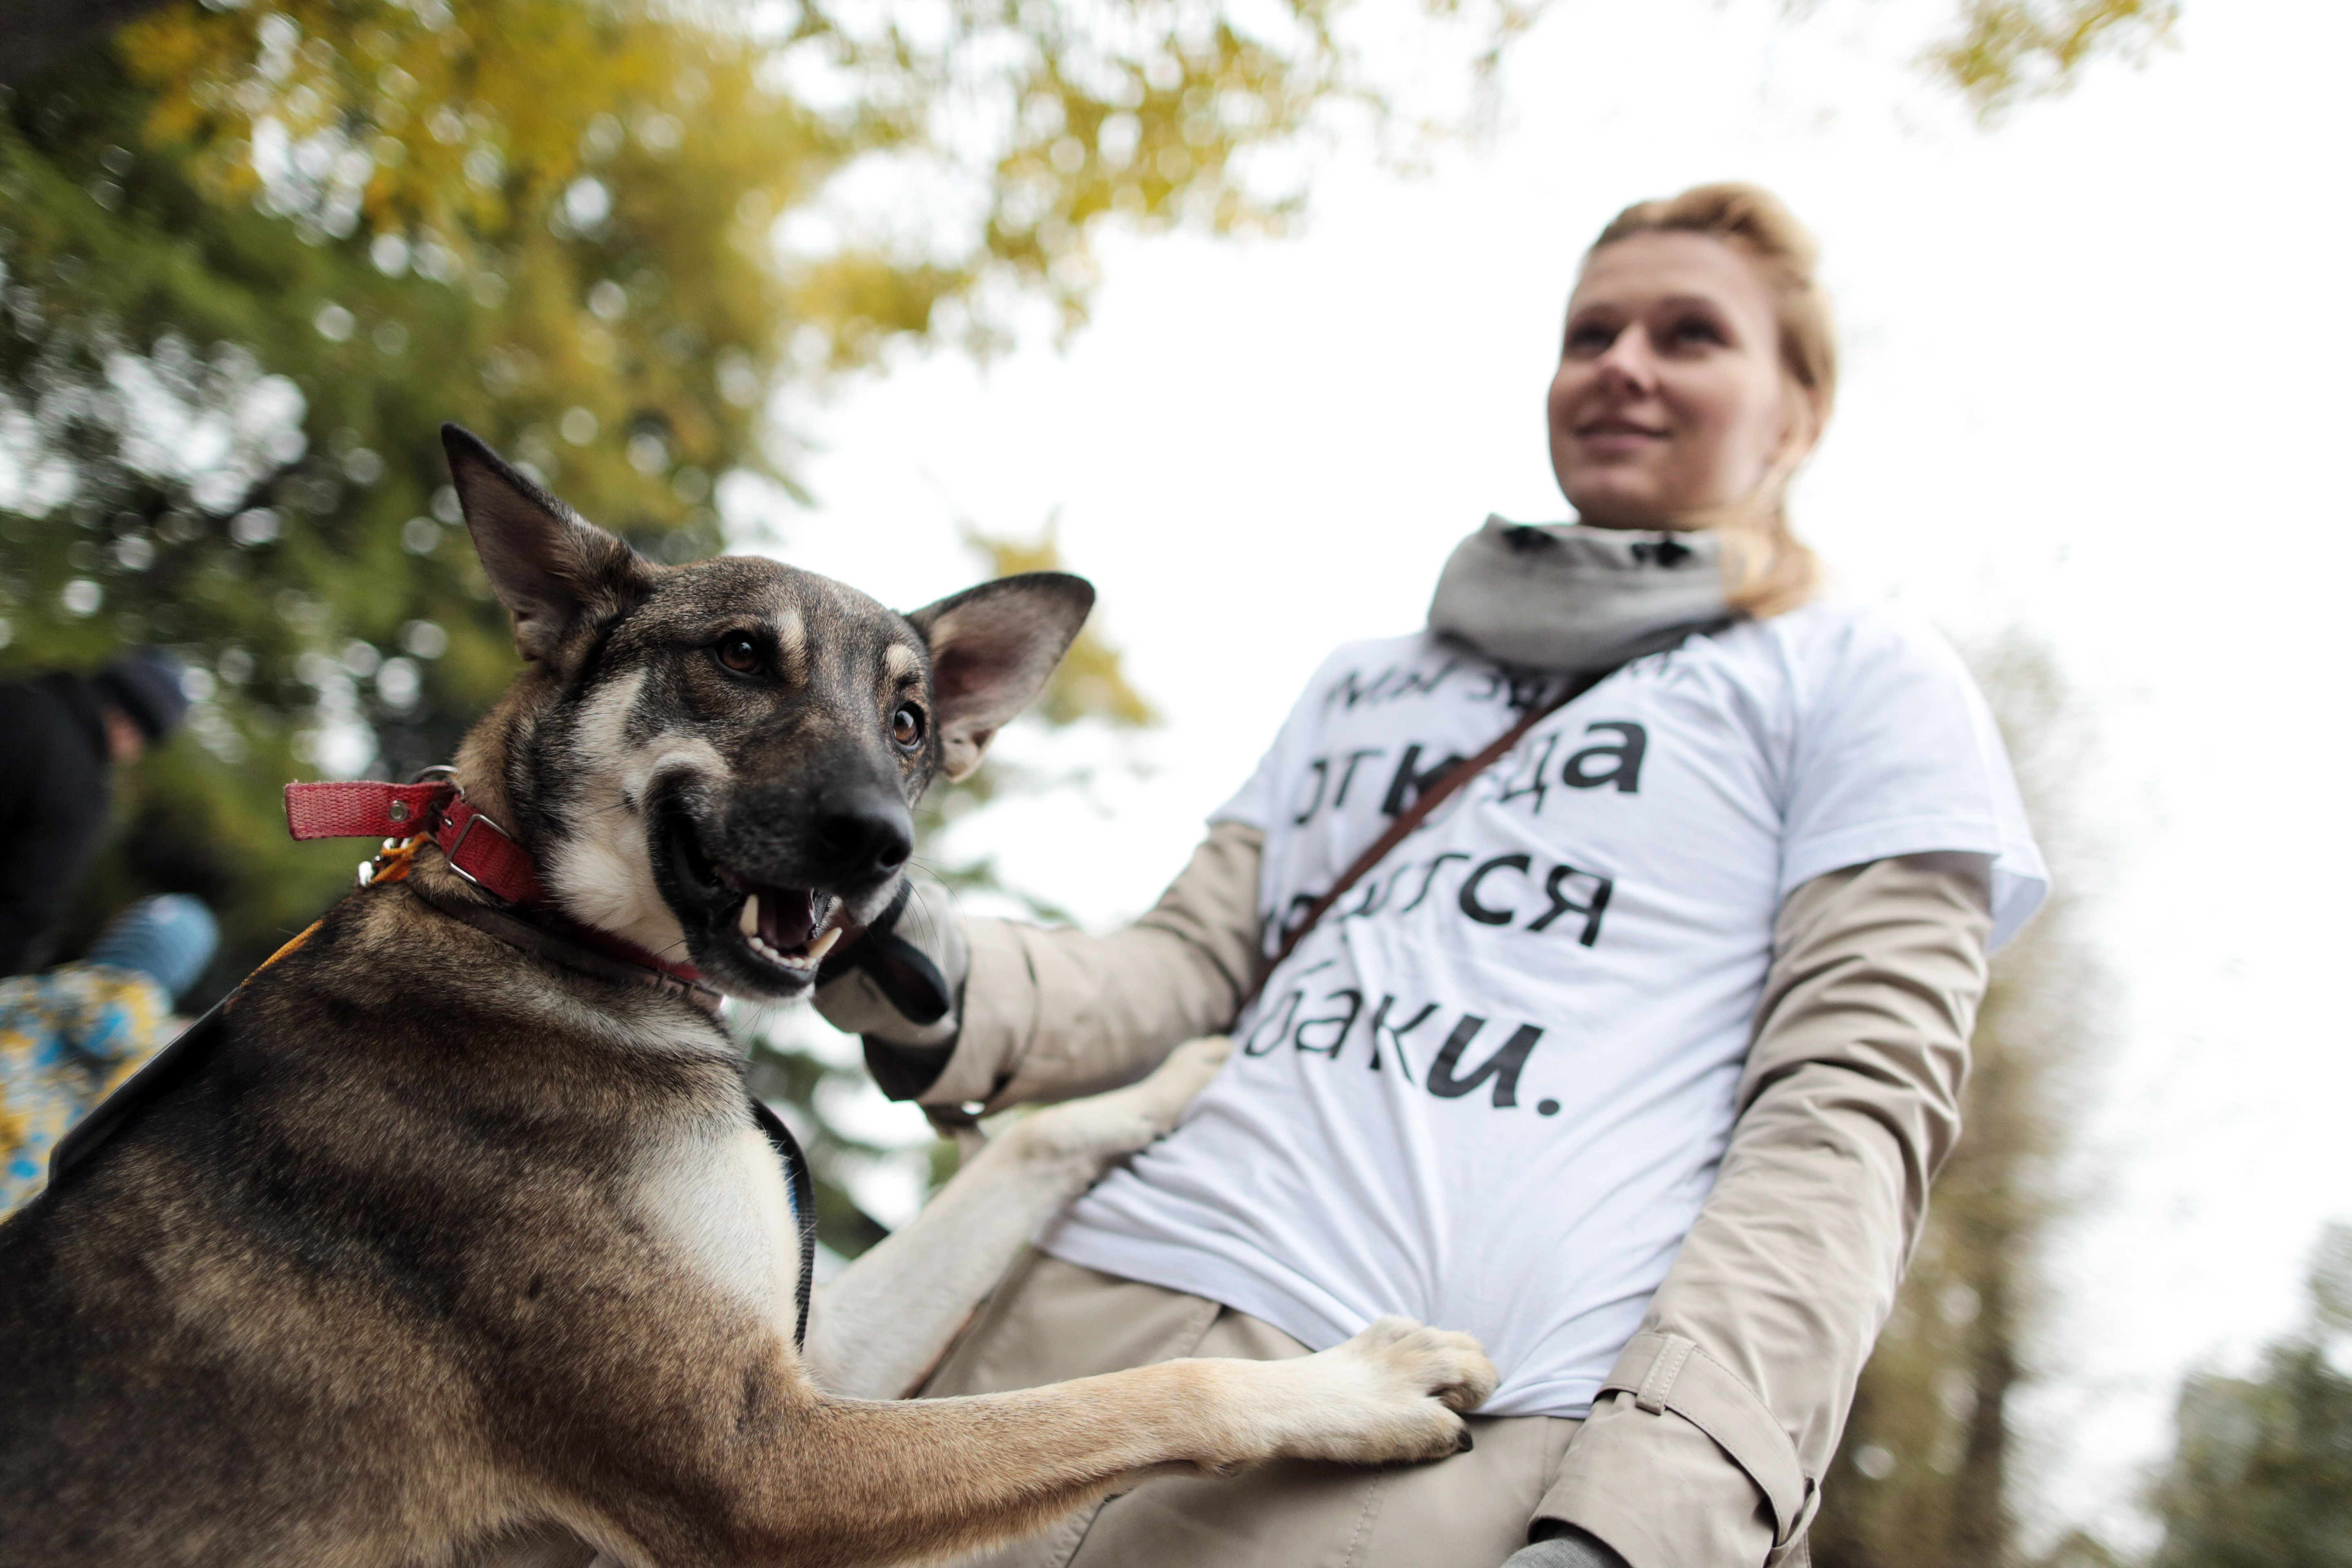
x: 1416, y: 814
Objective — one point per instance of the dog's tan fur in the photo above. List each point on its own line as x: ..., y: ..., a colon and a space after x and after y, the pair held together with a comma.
x: 447, y: 1251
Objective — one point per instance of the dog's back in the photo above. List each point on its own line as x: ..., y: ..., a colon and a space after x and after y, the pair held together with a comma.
x: 314, y: 1273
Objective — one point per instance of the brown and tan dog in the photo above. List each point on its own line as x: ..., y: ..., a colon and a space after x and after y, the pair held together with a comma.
x: 450, y: 1248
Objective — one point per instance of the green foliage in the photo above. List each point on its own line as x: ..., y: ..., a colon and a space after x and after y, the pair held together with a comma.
x: 1921, y: 1477
x: 2007, y: 51
x: 255, y: 251
x: 254, y: 255
x: 2262, y: 1474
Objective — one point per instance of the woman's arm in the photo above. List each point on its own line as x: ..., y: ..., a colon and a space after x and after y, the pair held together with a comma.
x: 1050, y: 1014
x: 1708, y: 1443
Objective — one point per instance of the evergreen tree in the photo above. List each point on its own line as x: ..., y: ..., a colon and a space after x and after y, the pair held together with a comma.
x: 2262, y: 1476
x: 1924, y: 1476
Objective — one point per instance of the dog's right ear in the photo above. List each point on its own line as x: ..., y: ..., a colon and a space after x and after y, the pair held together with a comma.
x: 549, y: 567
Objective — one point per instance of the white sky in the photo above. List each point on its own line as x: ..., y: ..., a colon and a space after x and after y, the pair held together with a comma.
x: 2093, y: 376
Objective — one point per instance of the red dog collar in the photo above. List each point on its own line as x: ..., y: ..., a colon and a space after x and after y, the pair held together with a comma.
x: 478, y: 848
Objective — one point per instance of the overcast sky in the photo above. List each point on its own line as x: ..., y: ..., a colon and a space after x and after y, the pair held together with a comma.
x: 2095, y: 389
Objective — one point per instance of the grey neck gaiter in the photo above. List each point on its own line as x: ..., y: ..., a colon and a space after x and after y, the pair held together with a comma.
x: 1563, y: 597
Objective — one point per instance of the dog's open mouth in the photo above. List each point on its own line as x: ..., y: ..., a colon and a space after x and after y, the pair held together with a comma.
x: 772, y: 935
x: 792, y: 928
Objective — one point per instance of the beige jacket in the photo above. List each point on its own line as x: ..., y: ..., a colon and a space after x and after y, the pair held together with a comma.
x: 1708, y: 1444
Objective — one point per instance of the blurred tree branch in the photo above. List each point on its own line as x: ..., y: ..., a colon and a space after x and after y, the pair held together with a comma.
x: 2008, y: 51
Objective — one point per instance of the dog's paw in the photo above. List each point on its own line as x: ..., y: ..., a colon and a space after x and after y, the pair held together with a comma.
x: 1176, y: 1082
x: 1105, y: 1127
x: 1390, y: 1393
x: 1451, y: 1367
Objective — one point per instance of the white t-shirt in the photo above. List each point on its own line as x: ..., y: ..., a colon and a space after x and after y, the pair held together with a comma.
x: 1493, y: 1088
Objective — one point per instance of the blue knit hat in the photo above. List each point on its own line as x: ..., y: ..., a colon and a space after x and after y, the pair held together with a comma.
x: 145, y: 684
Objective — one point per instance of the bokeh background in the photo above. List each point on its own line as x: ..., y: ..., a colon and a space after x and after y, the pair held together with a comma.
x: 1244, y: 308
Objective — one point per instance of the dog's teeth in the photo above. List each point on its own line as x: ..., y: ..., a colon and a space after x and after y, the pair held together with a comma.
x: 748, y: 923
x: 823, y: 942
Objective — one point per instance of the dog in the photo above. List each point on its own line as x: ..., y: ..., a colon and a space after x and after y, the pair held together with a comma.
x: 456, y: 1238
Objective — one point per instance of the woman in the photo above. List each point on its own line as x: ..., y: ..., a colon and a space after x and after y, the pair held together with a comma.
x: 1635, y: 1059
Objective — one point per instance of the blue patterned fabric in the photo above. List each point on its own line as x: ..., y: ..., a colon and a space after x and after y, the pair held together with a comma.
x: 66, y: 1039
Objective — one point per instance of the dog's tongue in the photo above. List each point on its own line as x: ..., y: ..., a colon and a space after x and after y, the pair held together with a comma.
x: 788, y: 917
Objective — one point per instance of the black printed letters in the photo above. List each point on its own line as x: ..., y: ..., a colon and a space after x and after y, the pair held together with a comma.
x: 1620, y: 765
x: 1508, y: 891
x: 1396, y: 1033
x: 1503, y: 1067
x: 1612, y: 756
x: 1329, y: 1021
x: 1596, y: 890
x: 1470, y: 904
x: 1412, y: 779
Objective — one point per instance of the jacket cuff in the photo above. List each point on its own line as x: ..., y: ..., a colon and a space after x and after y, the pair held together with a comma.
x: 1681, y: 1465
x: 905, y: 1072
x: 1000, y: 1018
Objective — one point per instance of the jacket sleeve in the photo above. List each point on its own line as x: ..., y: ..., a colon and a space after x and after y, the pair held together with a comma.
x: 1055, y: 1013
x: 1707, y: 1443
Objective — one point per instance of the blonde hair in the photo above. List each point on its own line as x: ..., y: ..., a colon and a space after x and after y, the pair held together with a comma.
x: 1767, y: 568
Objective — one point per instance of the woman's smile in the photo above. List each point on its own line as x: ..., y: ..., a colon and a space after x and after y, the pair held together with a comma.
x: 1613, y: 433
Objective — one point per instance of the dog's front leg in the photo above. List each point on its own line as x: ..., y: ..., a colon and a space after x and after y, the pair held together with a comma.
x: 878, y: 1327
x: 832, y: 1482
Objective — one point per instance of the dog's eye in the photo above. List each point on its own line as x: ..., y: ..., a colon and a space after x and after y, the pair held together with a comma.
x: 907, y: 726
x: 739, y: 653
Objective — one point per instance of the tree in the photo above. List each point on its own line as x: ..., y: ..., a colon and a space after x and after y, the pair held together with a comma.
x: 2006, y: 52
x: 254, y: 256
x: 2003, y: 50
x: 1924, y: 1476
x: 2262, y: 1475
x: 254, y: 251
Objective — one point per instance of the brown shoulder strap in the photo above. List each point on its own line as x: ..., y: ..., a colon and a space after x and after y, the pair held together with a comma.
x: 1413, y: 816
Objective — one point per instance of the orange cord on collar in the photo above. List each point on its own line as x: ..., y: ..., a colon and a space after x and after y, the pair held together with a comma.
x: 392, y: 866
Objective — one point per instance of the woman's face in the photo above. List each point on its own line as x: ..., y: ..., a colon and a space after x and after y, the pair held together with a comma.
x: 1670, y: 395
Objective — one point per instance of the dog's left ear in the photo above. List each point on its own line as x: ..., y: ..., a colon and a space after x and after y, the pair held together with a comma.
x: 993, y: 649
x: 551, y: 568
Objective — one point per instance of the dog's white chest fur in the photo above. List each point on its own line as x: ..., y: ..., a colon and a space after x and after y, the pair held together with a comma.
x: 720, y: 1199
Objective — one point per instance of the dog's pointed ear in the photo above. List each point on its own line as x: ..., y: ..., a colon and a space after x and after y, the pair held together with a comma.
x: 551, y: 568
x: 993, y: 649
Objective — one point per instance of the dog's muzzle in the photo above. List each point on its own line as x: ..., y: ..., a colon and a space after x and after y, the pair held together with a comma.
x: 764, y: 930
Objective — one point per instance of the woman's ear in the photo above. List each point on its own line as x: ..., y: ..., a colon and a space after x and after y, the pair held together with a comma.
x: 1808, y: 416
x: 993, y: 649
x: 553, y: 570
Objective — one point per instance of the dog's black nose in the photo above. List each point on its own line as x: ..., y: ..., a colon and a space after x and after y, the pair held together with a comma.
x: 864, y: 839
